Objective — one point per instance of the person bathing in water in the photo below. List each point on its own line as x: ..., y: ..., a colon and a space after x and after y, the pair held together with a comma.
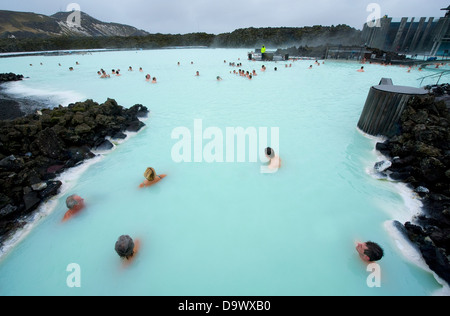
x: 369, y: 251
x: 75, y: 204
x: 274, y: 159
x: 127, y: 248
x: 151, y: 177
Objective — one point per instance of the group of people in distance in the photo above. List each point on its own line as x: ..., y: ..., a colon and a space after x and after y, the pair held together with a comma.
x: 246, y: 74
x: 148, y: 77
x: 116, y: 72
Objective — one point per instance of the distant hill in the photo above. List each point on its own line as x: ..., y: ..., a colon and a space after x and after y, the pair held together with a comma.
x: 24, y: 32
x: 32, y: 25
x: 316, y: 35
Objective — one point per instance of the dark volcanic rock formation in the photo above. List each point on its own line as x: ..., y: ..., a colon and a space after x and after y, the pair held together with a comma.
x: 9, y: 109
x: 36, y: 148
x: 420, y: 156
x: 5, y: 77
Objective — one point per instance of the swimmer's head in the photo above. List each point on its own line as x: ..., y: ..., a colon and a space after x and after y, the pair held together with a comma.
x: 269, y: 152
x: 74, y: 201
x: 369, y: 251
x: 124, y: 246
x: 149, y: 174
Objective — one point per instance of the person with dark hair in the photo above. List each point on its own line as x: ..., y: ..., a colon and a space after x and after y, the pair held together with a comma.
x: 369, y: 251
x: 274, y: 159
x: 75, y: 204
x: 104, y: 75
x: 127, y: 248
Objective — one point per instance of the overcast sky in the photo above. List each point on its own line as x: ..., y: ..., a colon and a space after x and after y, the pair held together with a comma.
x: 220, y: 16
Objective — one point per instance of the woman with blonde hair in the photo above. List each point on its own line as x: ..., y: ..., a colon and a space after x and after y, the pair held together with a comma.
x: 151, y: 177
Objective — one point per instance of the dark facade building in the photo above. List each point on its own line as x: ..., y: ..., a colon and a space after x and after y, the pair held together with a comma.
x: 427, y: 36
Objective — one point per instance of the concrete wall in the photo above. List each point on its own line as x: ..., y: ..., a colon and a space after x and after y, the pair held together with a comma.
x: 410, y: 36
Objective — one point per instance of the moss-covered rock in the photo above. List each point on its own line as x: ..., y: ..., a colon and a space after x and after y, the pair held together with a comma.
x: 35, y: 148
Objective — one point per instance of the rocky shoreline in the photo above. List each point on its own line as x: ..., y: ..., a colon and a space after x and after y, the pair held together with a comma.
x: 36, y: 148
x: 9, y: 108
x: 420, y: 157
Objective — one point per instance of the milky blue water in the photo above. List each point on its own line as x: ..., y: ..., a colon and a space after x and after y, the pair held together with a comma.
x: 219, y: 228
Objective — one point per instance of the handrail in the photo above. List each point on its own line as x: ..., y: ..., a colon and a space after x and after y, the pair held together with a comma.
x: 440, y: 74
